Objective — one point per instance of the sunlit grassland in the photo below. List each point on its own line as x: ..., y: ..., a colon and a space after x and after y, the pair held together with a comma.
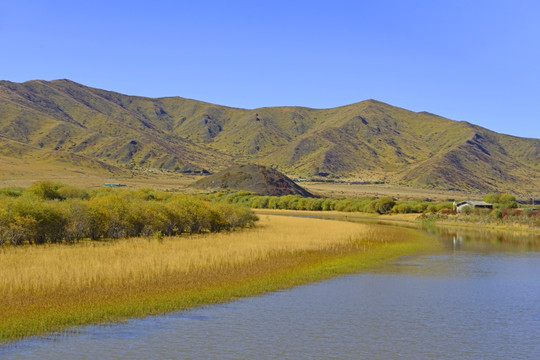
x: 24, y: 171
x: 52, y: 287
x: 328, y: 189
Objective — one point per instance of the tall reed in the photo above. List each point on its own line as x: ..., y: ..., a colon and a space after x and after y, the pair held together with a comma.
x: 52, y: 286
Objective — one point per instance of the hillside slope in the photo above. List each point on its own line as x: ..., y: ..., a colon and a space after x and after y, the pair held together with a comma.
x: 65, y: 116
x: 368, y: 140
x: 257, y: 179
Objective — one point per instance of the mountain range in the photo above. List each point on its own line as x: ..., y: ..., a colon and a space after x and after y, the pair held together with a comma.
x: 65, y: 121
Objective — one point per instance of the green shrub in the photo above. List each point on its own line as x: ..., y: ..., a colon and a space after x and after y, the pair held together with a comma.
x: 361, y: 205
x: 49, y: 220
x: 343, y: 204
x: 11, y: 191
x: 497, y: 214
x: 447, y: 205
x: 316, y: 204
x: 296, y: 202
x: 49, y: 212
x: 466, y: 210
x: 243, y: 193
x: 46, y: 190
x: 72, y: 192
x: 283, y: 202
x: 302, y: 204
x: 419, y: 206
x: 15, y: 229
x: 273, y: 202
x: 501, y: 200
x: 383, y: 205
x: 404, y: 208
x: 327, y: 205
x: 77, y: 220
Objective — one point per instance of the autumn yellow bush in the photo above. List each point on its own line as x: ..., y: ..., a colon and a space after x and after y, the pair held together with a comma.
x: 49, y: 212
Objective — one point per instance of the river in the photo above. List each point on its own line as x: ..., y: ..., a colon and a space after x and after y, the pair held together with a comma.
x: 477, y: 297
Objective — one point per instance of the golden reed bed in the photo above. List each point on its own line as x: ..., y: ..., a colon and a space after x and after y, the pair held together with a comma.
x: 51, y: 287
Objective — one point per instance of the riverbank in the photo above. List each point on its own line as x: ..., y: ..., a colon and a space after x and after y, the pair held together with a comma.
x: 509, y: 225
x: 406, y: 220
x: 52, y: 288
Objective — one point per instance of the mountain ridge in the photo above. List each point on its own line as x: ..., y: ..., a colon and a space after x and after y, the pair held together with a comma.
x: 368, y: 140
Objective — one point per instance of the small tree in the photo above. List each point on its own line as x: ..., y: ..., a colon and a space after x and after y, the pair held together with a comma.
x: 501, y: 200
x: 384, y: 205
x: 46, y: 190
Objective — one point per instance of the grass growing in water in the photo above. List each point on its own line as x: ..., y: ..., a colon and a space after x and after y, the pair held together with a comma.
x: 52, y: 287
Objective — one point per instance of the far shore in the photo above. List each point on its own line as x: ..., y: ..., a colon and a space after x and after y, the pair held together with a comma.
x: 410, y: 220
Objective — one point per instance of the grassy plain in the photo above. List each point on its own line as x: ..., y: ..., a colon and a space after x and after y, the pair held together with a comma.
x: 85, y: 172
x: 395, y: 191
x: 53, y: 287
x: 25, y: 172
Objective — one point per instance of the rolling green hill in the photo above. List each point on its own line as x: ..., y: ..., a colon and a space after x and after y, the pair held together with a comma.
x: 368, y: 140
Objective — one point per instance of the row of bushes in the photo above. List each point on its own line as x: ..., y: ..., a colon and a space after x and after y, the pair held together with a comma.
x: 525, y: 216
x: 49, y: 212
x: 383, y: 205
x: 501, y: 200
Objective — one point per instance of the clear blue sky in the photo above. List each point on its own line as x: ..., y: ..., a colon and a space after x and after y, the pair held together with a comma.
x: 474, y: 60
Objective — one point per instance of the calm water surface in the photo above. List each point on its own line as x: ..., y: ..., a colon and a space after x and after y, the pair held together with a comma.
x: 471, y: 300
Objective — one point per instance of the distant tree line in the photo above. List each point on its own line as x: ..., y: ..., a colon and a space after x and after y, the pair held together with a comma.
x: 382, y: 205
x: 48, y: 212
x: 379, y: 205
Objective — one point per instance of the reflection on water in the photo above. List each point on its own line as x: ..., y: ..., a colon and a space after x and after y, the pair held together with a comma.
x: 473, y: 299
x: 486, y: 239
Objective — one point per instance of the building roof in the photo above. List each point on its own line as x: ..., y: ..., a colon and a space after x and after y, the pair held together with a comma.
x: 474, y: 203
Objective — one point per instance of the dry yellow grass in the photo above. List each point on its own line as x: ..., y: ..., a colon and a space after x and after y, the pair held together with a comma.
x: 378, y: 190
x: 55, y: 267
x: 23, y: 171
x: 52, y: 287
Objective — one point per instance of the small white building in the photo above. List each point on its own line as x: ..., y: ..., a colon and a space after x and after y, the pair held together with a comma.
x: 472, y: 204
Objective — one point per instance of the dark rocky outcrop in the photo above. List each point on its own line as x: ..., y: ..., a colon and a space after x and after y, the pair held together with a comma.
x: 258, y: 179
